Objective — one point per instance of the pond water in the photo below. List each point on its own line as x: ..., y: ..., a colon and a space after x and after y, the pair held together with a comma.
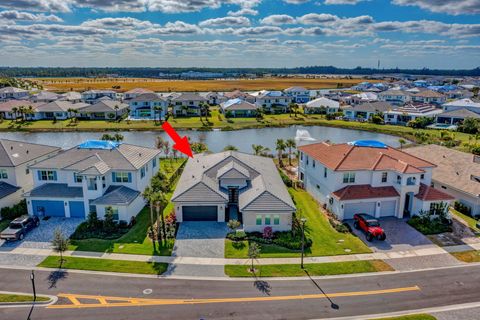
x: 216, y: 140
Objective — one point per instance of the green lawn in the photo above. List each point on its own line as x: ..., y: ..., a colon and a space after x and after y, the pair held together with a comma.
x: 15, y: 298
x: 317, y: 269
x: 105, y: 265
x: 472, y: 223
x: 326, y: 240
x: 467, y: 256
x: 411, y: 317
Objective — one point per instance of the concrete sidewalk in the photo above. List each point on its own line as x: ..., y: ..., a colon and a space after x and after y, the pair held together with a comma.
x: 264, y: 261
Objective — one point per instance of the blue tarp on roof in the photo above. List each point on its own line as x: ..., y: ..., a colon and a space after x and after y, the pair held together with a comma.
x: 368, y: 143
x: 99, y: 144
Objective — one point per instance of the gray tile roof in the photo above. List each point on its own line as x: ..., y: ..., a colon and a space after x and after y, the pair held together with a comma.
x: 105, y: 106
x: 153, y: 97
x: 7, y: 189
x: 56, y: 190
x: 233, y: 170
x: 117, y: 195
x: 460, y: 113
x: 124, y: 157
x: 189, y: 96
x: 378, y: 106
x: 266, y: 188
x: 14, y: 153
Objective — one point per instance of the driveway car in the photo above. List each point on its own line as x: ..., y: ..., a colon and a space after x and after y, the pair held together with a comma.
x: 369, y: 225
x: 19, y: 227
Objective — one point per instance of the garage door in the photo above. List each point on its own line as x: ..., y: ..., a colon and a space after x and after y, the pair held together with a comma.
x: 198, y: 213
x: 387, y: 208
x: 361, y: 207
x: 48, y: 208
x: 77, y: 209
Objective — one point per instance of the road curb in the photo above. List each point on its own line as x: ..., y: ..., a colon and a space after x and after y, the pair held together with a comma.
x: 53, y: 300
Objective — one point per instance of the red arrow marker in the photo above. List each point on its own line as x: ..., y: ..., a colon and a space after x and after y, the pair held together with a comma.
x: 181, y: 144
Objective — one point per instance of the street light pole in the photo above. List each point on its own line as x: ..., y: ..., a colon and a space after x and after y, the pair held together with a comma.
x: 303, y: 220
x: 32, y: 278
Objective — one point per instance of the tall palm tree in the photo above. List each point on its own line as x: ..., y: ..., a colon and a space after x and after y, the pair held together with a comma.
x: 148, y: 196
x: 280, y: 146
x: 116, y: 111
x: 290, y: 144
x: 160, y: 199
x: 14, y: 112
x: 257, y: 149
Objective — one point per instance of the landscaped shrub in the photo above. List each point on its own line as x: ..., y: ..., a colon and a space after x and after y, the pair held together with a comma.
x: 10, y: 213
x: 286, y: 180
x: 429, y: 226
x: 267, y: 233
x: 101, y: 229
x: 284, y: 239
x: 238, y: 235
x: 460, y: 207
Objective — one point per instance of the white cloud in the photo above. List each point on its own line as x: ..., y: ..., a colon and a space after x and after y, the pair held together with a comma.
x: 115, y: 23
x: 243, y: 12
x: 226, y: 21
x: 37, y: 5
x: 15, y: 15
x: 278, y: 19
x: 315, y: 18
x: 453, y: 7
x: 350, y: 2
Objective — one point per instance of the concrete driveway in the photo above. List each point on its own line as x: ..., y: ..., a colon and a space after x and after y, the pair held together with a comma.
x: 400, y: 237
x: 199, y: 239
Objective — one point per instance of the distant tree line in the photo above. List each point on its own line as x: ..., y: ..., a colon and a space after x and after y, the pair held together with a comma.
x: 154, y: 72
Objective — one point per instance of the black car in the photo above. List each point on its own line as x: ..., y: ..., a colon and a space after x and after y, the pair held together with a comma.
x: 19, y: 227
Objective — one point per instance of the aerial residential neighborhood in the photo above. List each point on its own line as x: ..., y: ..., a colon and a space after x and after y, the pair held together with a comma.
x: 240, y: 160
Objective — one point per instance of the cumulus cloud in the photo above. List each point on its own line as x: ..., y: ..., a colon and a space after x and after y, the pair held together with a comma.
x: 351, y: 2
x: 243, y: 12
x: 454, y: 7
x: 315, y: 18
x: 25, y: 16
x: 278, y: 19
x: 115, y: 23
x: 37, y: 5
x: 226, y: 21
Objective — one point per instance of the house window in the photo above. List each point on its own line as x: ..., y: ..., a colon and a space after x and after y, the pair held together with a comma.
x: 92, y: 184
x: 122, y: 177
x: 27, y: 171
x: 259, y: 220
x: 306, y: 159
x: 154, y: 163
x: 443, y: 187
x: 399, y: 180
x: 313, y: 163
x: 384, y: 177
x: 47, y: 175
x: 301, y: 156
x: 422, y: 176
x: 325, y: 172
x: 92, y: 208
x: 77, y: 178
x: 349, y: 177
x: 3, y: 174
x: 115, y: 213
x: 276, y: 219
x: 267, y: 220
x: 142, y: 172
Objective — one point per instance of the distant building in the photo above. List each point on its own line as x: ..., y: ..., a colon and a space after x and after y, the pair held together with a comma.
x: 298, y: 94
x: 12, y: 93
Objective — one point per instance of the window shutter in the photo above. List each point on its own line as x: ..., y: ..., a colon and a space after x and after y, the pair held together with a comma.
x: 39, y: 174
x: 114, y: 178
x: 55, y: 175
x: 129, y: 177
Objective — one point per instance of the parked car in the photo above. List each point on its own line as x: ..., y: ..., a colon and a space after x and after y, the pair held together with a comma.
x: 18, y: 228
x: 370, y: 226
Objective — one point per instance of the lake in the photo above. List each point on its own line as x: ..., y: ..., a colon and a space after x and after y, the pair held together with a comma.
x: 216, y: 140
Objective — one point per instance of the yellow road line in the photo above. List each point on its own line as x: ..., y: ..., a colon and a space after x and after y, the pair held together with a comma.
x: 136, y: 302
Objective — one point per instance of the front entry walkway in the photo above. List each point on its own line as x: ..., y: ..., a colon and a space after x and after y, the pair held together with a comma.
x: 201, y: 240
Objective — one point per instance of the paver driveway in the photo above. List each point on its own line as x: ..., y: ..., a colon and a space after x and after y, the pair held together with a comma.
x: 199, y: 239
x: 400, y: 237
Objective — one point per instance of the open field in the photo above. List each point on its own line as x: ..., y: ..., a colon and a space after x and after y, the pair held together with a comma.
x: 125, y: 84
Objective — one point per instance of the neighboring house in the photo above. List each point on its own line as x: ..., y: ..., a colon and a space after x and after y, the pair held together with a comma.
x: 7, y: 109
x: 93, y: 96
x: 15, y: 177
x: 456, y: 117
x: 148, y: 106
x: 104, y: 110
x: 298, y: 94
x: 44, y: 97
x: 361, y: 98
x: 429, y: 97
x: 59, y: 110
x: 368, y: 177
x: 187, y: 104
x: 132, y: 94
x: 12, y: 93
x: 403, y: 115
x: 239, y: 108
x: 457, y: 173
x: 237, y: 94
x: 396, y: 97
x: 71, y: 96
x: 233, y: 185
x: 462, y: 104
x: 214, y: 98
x: 321, y: 105
x: 273, y: 101
x: 365, y: 110
x: 92, y: 177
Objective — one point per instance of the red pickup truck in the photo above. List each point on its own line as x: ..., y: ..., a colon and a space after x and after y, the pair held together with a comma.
x: 369, y: 225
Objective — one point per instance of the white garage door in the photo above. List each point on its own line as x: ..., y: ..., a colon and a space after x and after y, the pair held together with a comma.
x: 387, y: 208
x: 350, y: 209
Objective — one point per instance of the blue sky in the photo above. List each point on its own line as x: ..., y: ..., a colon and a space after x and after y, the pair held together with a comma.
x: 240, y: 33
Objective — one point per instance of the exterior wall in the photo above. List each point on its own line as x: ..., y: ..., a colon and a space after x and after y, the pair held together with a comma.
x: 250, y: 217
x: 420, y: 205
x: 135, y: 106
x: 124, y: 212
x: 220, y: 209
x: 466, y: 198
x: 11, y: 199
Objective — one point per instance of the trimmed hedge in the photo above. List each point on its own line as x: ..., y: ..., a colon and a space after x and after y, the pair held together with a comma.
x: 10, y: 213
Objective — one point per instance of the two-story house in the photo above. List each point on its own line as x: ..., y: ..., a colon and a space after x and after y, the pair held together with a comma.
x: 148, y: 106
x: 429, y: 96
x: 12, y: 93
x: 132, y: 94
x: 15, y: 176
x: 93, y: 96
x: 91, y: 177
x: 395, y: 96
x: 298, y: 94
x: 187, y: 103
x: 273, y: 101
x: 321, y: 105
x: 368, y: 177
x: 233, y: 185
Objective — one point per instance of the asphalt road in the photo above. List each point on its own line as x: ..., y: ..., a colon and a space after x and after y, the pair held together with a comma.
x: 251, y: 300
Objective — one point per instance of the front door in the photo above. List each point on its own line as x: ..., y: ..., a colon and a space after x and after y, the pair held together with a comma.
x: 233, y: 195
x: 406, y: 208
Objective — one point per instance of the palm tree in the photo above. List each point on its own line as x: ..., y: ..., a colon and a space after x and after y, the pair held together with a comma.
x: 160, y: 199
x: 290, y: 144
x: 166, y: 149
x: 280, y: 146
x: 230, y: 148
x: 118, y: 137
x: 116, y: 111
x: 402, y: 142
x: 29, y: 111
x: 159, y: 143
x: 257, y: 149
x: 14, y: 112
x: 148, y: 196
